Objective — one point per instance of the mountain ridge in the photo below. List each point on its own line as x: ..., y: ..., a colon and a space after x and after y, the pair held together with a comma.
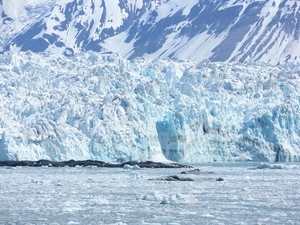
x: 235, y: 30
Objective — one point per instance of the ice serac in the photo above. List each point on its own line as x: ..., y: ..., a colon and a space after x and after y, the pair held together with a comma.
x: 103, y: 107
x: 223, y: 30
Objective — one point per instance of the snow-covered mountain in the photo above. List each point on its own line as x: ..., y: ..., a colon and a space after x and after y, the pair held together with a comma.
x: 218, y: 30
x: 103, y: 107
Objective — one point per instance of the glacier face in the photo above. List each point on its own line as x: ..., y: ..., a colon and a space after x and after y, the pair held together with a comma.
x: 103, y: 107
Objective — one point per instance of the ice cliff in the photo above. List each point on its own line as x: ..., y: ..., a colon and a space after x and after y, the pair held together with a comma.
x: 103, y: 107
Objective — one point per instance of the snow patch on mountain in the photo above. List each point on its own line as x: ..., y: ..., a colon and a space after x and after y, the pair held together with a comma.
x: 103, y: 107
x: 18, y: 17
x: 227, y: 31
x: 13, y: 8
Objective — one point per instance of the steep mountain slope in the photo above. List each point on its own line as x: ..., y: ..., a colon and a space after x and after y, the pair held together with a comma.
x: 219, y: 30
x: 222, y: 31
x: 19, y: 17
x: 73, y: 25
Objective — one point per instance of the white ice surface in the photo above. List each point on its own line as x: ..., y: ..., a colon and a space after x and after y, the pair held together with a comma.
x: 103, y: 107
x: 106, y: 196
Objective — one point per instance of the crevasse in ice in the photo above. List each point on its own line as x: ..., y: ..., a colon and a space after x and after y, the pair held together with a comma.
x: 103, y: 107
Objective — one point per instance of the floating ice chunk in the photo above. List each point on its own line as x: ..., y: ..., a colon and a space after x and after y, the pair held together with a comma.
x: 135, y: 176
x: 269, y: 166
x: 136, y: 167
x: 127, y: 167
x: 179, y: 199
x: 152, y: 196
x: 170, y: 199
x: 72, y: 223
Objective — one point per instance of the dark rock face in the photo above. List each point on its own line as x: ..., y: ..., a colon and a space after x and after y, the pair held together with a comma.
x: 174, y: 178
x: 193, y: 171
x: 150, y: 164
x: 84, y: 163
x: 177, y: 178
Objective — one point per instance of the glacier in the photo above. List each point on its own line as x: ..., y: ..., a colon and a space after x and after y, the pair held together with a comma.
x: 104, y: 107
